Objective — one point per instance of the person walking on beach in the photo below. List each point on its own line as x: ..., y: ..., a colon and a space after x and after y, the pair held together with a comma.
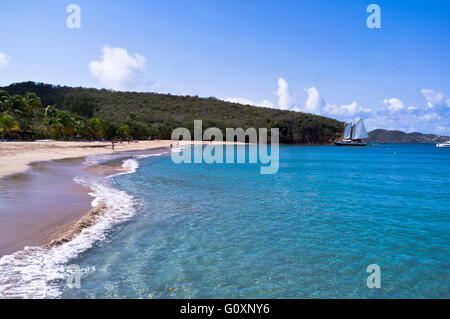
x: 112, y: 145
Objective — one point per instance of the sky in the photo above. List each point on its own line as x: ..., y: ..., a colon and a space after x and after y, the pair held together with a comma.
x: 315, y: 56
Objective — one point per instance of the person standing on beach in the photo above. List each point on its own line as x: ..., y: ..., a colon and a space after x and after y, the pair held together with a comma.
x: 112, y: 145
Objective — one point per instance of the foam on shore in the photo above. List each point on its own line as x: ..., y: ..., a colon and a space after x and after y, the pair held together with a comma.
x: 37, y: 272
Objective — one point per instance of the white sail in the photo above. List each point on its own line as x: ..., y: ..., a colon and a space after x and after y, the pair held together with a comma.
x: 359, y: 130
x: 348, y: 130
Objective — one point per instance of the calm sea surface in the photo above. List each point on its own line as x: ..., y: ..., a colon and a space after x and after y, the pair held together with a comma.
x: 309, y: 231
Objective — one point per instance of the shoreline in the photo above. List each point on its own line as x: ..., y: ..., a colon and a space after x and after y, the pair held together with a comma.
x: 43, y: 220
x: 41, y: 201
x: 57, y: 210
x: 17, y: 157
x: 44, y: 224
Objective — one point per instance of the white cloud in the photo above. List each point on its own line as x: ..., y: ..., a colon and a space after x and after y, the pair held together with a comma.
x: 285, y: 98
x: 430, y: 116
x: 390, y: 114
x: 116, y: 69
x: 393, y: 104
x: 433, y: 98
x: 345, y: 111
x: 4, y: 60
x: 314, y: 102
x: 244, y: 101
x: 266, y: 103
x: 240, y: 100
x: 350, y: 109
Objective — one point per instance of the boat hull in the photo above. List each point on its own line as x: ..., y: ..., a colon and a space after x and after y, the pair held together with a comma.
x: 446, y: 145
x: 338, y: 143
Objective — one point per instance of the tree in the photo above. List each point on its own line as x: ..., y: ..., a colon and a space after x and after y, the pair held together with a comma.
x: 123, y: 131
x: 33, y: 101
x: 59, y: 123
x: 97, y: 128
x: 4, y: 100
x: 81, y: 104
x: 8, y: 125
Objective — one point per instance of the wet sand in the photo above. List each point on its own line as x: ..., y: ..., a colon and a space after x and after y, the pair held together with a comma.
x: 41, y: 204
x: 15, y: 157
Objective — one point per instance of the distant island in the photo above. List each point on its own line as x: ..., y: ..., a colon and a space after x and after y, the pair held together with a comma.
x: 386, y: 136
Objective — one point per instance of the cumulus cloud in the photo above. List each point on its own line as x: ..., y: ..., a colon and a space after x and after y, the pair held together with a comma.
x: 393, y: 104
x: 431, y: 117
x: 346, y: 111
x: 285, y: 98
x: 116, y: 68
x: 244, y: 101
x: 391, y: 113
x: 4, y: 60
x: 433, y: 98
x: 314, y: 102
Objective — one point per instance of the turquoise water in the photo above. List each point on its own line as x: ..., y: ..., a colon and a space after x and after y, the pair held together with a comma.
x: 309, y: 231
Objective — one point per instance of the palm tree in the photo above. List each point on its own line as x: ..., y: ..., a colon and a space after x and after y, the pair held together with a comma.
x: 8, y: 125
x: 60, y: 123
x: 33, y: 102
x: 4, y: 101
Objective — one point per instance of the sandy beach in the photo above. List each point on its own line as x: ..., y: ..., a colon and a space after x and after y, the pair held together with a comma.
x: 44, y: 203
x: 40, y: 201
x: 16, y: 157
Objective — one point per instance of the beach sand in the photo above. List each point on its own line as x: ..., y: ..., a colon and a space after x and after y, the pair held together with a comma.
x: 39, y: 199
x: 40, y: 202
x: 16, y: 157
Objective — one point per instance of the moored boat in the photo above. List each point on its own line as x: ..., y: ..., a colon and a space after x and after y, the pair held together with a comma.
x: 354, y: 133
x: 349, y: 143
x: 444, y: 145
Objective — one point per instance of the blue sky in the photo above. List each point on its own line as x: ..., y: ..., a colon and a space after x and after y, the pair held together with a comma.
x: 311, y: 56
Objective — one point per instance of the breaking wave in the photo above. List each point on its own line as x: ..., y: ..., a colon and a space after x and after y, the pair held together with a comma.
x: 37, y: 272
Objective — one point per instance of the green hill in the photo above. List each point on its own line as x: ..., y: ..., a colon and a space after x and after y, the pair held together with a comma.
x: 386, y: 136
x: 156, y: 115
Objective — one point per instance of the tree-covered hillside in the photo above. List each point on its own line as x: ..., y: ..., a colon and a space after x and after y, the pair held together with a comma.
x: 386, y: 136
x: 156, y: 115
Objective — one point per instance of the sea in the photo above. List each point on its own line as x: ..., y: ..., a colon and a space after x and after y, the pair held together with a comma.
x: 323, y: 226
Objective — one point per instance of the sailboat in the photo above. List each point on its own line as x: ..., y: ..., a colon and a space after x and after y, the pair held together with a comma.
x: 445, y: 144
x: 353, y: 134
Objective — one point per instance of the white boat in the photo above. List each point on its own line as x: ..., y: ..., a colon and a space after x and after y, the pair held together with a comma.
x: 353, y: 134
x: 446, y: 144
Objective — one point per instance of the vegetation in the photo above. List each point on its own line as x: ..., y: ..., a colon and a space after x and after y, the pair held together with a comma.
x: 8, y: 125
x: 386, y: 136
x: 80, y: 113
